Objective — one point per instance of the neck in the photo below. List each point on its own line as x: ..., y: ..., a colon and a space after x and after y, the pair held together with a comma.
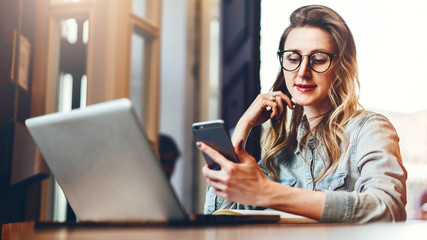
x: 314, y: 114
x: 313, y: 120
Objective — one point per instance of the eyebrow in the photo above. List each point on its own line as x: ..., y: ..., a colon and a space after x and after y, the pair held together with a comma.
x: 312, y: 51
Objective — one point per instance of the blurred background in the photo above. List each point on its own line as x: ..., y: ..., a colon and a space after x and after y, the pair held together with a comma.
x: 182, y: 61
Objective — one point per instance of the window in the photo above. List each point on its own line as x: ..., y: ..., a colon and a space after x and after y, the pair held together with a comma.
x: 137, y: 78
x: 72, y: 50
x: 91, y: 51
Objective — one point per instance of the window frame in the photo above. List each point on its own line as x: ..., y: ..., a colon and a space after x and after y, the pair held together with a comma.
x: 112, y: 24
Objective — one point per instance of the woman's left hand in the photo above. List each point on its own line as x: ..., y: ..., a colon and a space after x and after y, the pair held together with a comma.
x: 238, y: 182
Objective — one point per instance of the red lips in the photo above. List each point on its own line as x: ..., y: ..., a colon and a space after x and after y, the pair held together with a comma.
x: 305, y: 87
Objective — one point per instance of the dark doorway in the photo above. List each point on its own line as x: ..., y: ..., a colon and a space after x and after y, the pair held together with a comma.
x: 240, y: 63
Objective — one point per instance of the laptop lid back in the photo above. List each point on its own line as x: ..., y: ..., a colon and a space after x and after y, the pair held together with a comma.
x: 103, y: 161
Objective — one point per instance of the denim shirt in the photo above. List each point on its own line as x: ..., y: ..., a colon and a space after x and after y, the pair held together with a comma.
x: 368, y: 185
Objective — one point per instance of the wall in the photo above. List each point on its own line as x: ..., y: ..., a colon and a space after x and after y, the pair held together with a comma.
x: 177, y: 92
x: 19, y: 199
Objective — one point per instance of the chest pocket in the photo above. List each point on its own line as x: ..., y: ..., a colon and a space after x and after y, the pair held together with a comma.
x: 338, y: 182
x: 288, y: 181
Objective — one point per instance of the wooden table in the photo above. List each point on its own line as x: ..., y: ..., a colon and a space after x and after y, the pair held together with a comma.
x: 376, y: 231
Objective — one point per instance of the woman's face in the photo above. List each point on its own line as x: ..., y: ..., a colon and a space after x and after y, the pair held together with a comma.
x: 307, y: 87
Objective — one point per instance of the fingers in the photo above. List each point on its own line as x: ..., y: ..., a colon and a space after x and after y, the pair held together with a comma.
x: 277, y: 108
x: 264, y: 107
x: 211, y: 180
x: 211, y: 175
x: 268, y: 103
x: 274, y: 102
x: 231, y: 182
x: 280, y: 106
x: 217, y: 186
x: 283, y: 97
x: 214, y: 155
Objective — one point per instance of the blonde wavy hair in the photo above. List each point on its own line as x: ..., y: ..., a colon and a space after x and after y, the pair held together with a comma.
x: 280, y: 136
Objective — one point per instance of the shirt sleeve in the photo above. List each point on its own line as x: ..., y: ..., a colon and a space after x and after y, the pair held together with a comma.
x: 380, y: 191
x: 210, y: 200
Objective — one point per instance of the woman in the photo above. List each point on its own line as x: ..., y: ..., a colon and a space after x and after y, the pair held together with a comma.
x: 331, y: 160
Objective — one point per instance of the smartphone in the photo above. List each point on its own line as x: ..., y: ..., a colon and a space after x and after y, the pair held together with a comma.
x: 214, y: 134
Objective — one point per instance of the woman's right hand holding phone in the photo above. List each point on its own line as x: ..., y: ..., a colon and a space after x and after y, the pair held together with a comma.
x: 264, y: 107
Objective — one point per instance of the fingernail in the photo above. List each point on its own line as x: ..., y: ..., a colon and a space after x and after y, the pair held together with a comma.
x: 198, y: 144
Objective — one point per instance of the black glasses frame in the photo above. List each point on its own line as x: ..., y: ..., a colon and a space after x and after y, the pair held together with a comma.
x: 280, y: 55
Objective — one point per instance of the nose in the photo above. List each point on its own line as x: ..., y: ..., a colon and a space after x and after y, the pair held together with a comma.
x: 304, y: 70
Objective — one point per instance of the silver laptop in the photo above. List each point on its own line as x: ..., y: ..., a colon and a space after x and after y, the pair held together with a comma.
x: 103, y: 162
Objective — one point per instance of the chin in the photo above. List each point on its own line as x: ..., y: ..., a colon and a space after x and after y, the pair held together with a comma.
x: 304, y: 103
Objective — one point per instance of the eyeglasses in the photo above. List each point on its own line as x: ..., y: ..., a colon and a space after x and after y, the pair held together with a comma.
x: 318, y: 61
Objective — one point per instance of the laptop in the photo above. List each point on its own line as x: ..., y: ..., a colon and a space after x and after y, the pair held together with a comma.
x: 108, y: 171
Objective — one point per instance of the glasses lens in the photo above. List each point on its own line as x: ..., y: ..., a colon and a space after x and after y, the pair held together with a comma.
x: 320, y: 62
x: 291, y: 61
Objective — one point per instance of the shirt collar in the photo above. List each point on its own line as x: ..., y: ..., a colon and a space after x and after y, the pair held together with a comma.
x: 303, y: 128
